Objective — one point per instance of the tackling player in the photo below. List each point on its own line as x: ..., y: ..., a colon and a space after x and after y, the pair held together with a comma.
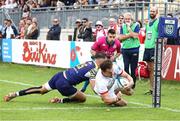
x: 65, y: 81
x: 108, y: 45
x: 107, y: 87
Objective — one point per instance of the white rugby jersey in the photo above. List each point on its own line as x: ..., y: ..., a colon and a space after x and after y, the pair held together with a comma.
x: 103, y: 84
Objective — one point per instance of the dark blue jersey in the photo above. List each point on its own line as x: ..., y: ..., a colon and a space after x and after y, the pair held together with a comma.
x: 82, y: 72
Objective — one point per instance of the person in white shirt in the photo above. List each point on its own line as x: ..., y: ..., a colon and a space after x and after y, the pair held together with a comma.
x: 106, y: 85
x: 99, y: 30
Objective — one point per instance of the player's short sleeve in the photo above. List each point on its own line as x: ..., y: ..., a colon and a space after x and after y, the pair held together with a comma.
x: 92, y: 74
x: 95, y: 46
x: 118, y: 44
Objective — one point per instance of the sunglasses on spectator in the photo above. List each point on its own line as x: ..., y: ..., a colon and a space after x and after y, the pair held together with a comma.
x: 121, y: 18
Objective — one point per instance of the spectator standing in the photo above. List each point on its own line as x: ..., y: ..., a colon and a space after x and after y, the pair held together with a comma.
x: 130, y: 45
x: 10, y: 30
x: 76, y: 30
x: 55, y: 31
x: 33, y: 34
x: 112, y: 24
x: 21, y: 29
x: 85, y: 32
x: 100, y: 31
x: 151, y: 37
x: 28, y: 22
x: 120, y: 22
x: 4, y: 25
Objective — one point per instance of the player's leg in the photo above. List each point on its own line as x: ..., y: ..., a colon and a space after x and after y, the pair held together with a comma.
x: 66, y: 89
x: 151, y: 75
x: 148, y: 57
x: 33, y: 90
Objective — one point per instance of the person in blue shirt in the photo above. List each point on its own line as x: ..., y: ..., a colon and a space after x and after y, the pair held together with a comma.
x: 65, y: 81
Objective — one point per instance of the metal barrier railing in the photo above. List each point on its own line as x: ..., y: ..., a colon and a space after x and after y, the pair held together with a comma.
x: 68, y: 14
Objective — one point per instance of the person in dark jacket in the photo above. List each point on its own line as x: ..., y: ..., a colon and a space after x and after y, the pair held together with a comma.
x: 34, y: 32
x: 76, y: 30
x: 10, y: 30
x: 55, y: 31
x: 85, y: 32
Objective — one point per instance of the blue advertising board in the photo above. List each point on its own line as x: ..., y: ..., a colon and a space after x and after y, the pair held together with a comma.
x: 7, y: 50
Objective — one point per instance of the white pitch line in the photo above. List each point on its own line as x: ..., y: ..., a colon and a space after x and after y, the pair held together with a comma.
x: 18, y: 83
x: 95, y: 96
x: 69, y: 108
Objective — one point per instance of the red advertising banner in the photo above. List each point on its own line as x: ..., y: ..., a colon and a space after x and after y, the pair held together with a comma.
x: 171, y: 63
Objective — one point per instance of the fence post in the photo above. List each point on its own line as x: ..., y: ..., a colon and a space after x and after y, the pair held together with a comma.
x: 165, y: 8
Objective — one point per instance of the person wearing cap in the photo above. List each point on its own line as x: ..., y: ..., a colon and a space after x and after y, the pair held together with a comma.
x: 76, y: 29
x: 85, y: 32
x: 99, y: 32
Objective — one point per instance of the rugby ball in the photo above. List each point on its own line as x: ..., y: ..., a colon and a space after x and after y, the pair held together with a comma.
x: 121, y: 82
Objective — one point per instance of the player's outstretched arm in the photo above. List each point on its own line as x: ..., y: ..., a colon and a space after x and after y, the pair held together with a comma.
x: 129, y: 78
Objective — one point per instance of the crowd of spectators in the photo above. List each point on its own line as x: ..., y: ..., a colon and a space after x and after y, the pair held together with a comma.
x: 27, y: 5
x: 27, y: 29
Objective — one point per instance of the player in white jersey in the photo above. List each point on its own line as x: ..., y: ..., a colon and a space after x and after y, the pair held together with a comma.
x: 108, y: 86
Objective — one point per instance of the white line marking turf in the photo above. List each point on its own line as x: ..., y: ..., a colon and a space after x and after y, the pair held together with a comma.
x: 73, y: 108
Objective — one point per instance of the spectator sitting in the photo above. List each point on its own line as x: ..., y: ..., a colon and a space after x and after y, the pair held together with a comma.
x: 79, y: 3
x: 33, y: 34
x: 59, y: 5
x: 99, y: 32
x: 76, y: 30
x: 10, y: 4
x: 55, y: 31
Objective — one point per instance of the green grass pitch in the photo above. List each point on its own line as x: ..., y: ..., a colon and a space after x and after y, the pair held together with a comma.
x: 14, y: 77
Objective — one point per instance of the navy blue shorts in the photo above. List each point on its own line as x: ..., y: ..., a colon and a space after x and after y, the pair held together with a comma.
x: 149, y: 55
x: 60, y: 83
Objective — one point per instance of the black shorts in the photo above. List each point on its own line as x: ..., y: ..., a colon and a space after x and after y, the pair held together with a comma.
x: 149, y: 55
